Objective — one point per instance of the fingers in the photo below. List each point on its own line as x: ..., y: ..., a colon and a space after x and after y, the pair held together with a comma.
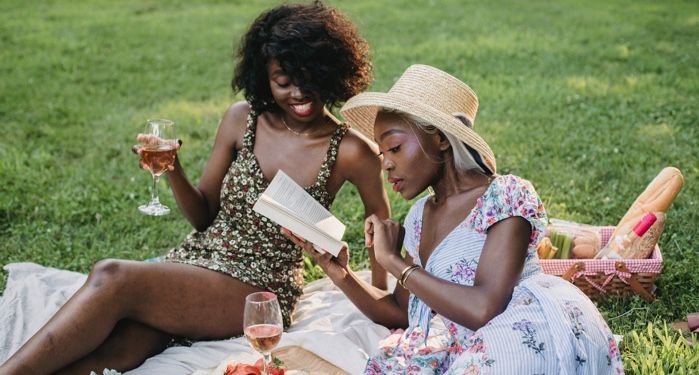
x: 150, y: 139
x: 401, y: 237
x: 319, y: 256
x: 292, y: 237
x: 147, y: 139
x: 343, y: 255
x: 368, y: 233
x: 175, y: 143
x: 300, y: 242
x: 171, y: 166
x: 344, y: 251
x: 376, y: 222
x: 371, y: 224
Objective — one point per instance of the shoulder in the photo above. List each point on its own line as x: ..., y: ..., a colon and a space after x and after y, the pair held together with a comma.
x: 356, y: 149
x: 509, y: 192
x: 237, y: 113
x: 357, y: 145
x: 510, y: 183
x: 512, y: 196
x: 234, y: 122
x: 509, y: 196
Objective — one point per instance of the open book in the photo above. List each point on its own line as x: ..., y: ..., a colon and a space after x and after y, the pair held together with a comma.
x: 287, y: 204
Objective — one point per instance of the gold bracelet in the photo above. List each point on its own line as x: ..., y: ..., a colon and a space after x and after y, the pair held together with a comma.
x: 406, y: 272
x: 402, y: 273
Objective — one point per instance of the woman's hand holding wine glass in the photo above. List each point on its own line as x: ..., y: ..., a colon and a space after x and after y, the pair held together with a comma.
x: 157, y: 148
x: 262, y: 324
x: 157, y: 155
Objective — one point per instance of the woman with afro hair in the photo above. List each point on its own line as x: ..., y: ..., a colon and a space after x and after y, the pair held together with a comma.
x: 294, y: 63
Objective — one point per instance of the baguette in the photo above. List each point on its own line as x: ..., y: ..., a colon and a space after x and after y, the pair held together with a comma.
x: 656, y: 198
x: 644, y: 247
x: 544, y: 248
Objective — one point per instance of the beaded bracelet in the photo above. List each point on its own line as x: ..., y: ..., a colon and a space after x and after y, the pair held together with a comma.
x: 405, y: 273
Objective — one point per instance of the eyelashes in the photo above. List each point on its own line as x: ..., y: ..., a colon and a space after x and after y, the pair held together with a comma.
x: 391, y: 150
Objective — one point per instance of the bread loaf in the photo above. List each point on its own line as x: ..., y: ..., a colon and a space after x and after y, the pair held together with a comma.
x: 642, y: 248
x: 585, y: 246
x: 656, y: 198
x: 545, y: 249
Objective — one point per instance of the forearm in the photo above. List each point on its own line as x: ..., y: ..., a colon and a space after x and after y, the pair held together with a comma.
x: 379, y: 277
x: 446, y: 298
x: 190, y: 199
x: 378, y: 305
x: 375, y: 201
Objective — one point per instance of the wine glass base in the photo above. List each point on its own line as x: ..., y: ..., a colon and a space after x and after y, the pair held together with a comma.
x: 154, y: 209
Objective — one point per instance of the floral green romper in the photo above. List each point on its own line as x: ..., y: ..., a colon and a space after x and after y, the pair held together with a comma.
x: 245, y: 245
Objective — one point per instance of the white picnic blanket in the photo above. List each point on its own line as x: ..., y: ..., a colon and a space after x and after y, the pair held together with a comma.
x: 325, y: 323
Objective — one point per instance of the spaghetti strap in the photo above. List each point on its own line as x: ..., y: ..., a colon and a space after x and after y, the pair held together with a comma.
x: 245, y: 245
x: 250, y: 129
x: 331, y: 155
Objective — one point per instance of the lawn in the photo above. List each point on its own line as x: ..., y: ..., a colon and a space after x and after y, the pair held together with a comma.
x: 588, y: 100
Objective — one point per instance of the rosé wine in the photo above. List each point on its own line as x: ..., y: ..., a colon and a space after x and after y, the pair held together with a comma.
x: 158, y: 158
x: 263, y: 337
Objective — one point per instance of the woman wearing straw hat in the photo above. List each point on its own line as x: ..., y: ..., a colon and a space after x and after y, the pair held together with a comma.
x: 470, y: 289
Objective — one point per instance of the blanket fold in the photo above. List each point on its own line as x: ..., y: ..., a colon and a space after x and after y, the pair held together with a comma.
x: 326, y: 323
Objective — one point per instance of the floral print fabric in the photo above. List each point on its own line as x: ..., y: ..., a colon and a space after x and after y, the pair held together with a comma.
x: 246, y: 245
x: 548, y: 327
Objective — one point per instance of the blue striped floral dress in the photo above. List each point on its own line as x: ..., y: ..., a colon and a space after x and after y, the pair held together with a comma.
x: 548, y: 327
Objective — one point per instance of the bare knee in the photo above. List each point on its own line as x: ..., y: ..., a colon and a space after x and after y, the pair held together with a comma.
x: 108, y: 273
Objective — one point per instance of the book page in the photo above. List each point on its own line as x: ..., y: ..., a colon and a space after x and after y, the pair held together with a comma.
x: 286, y: 192
x: 281, y: 215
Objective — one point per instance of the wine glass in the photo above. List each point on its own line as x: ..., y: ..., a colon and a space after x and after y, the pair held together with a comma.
x: 158, y: 151
x: 262, y: 324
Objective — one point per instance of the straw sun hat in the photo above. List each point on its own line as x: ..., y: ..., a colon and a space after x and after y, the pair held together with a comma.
x: 429, y: 94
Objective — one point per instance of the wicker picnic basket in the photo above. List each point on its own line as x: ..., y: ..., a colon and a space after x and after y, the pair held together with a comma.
x: 598, y: 278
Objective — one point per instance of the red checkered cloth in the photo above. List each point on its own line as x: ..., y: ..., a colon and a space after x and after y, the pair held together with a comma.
x: 558, y: 267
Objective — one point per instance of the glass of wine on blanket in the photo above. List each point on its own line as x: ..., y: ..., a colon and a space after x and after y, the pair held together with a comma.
x: 158, y: 151
x: 262, y: 324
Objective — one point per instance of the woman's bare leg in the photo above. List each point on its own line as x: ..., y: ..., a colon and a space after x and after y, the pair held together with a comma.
x: 129, y: 344
x: 177, y: 299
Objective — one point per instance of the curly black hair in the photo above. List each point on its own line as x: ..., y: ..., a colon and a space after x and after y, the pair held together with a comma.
x: 317, y: 46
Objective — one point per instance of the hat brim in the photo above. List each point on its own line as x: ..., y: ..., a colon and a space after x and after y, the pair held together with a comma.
x: 361, y: 110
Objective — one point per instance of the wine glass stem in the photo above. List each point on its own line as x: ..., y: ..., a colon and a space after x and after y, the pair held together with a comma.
x: 154, y: 201
x: 266, y: 358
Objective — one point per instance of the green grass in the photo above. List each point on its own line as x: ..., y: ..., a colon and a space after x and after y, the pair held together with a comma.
x: 588, y: 101
x: 658, y: 350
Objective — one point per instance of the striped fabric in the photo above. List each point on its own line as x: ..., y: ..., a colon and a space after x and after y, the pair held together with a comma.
x: 549, y: 325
